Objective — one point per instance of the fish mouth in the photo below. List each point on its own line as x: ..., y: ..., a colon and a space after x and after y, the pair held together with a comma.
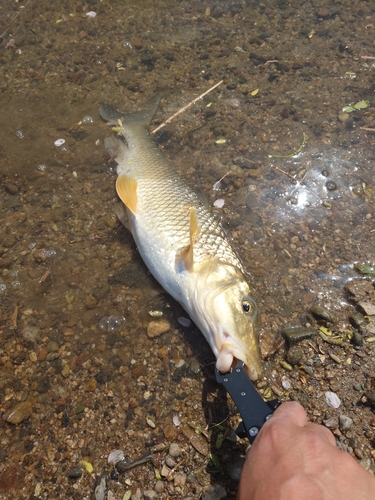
x: 231, y: 350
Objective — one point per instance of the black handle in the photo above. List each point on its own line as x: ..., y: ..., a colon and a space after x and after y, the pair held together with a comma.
x: 253, y: 409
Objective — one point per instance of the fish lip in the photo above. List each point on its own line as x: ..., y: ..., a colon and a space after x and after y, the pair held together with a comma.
x: 231, y: 349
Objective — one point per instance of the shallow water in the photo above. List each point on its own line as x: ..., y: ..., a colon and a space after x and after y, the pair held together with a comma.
x: 299, y: 222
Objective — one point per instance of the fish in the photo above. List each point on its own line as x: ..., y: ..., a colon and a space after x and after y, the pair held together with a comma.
x: 183, y: 245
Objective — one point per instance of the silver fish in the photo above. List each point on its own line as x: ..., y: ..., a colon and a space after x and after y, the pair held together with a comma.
x: 182, y: 244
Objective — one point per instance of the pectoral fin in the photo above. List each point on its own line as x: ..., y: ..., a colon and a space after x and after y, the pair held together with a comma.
x: 126, y: 188
x: 186, y: 256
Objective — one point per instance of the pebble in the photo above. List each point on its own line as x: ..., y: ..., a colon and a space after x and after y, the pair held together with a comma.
x: 170, y: 461
x: 174, y: 450
x: 234, y: 468
x: 180, y: 479
x: 30, y: 333
x: 294, y: 355
x: 322, y: 312
x: 331, y: 423
x: 52, y: 346
x: 11, y: 188
x: 195, y: 367
x: 343, y: 117
x: 65, y: 372
x: 345, y: 422
x: 149, y: 494
x: 368, y: 307
x: 295, y: 334
x: 18, y: 413
x: 157, y: 328
x: 357, y: 387
x: 159, y: 486
x: 323, y: 13
x: 43, y: 385
x: 74, y: 472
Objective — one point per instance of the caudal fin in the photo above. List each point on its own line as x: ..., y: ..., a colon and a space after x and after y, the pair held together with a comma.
x: 142, y: 117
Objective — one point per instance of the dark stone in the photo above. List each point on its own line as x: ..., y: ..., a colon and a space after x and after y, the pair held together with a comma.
x: 103, y: 377
x: 295, y: 334
x: 44, y: 385
x: 294, y: 355
x: 75, y: 473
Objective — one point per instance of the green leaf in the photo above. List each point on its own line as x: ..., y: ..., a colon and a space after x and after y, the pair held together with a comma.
x: 361, y: 105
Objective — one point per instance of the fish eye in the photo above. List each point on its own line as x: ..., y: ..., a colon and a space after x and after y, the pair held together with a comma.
x: 248, y: 306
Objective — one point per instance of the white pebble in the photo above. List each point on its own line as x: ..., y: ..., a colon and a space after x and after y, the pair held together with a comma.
x: 176, y: 420
x: 332, y: 400
x: 59, y: 142
x: 285, y: 382
x: 115, y: 456
x: 91, y: 14
x: 219, y: 203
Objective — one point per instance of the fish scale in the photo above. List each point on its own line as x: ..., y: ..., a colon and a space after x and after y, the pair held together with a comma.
x: 182, y: 243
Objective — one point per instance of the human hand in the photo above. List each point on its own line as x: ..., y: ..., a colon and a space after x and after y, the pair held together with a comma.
x: 294, y: 460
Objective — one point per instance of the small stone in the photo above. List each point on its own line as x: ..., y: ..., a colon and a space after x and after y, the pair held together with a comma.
x: 43, y: 385
x: 295, y: 334
x: 65, y: 372
x: 137, y: 43
x: 149, y: 494
x: 8, y: 240
x: 331, y: 423
x: 180, y: 479
x: 52, y: 346
x: 174, y: 450
x: 169, y: 432
x: 366, y: 463
x: 79, y: 407
x: 345, y: 422
x: 18, y: 413
x: 294, y: 355
x: 75, y: 473
x: 11, y: 188
x: 323, y: 13
x: 91, y: 385
x: 321, y: 312
x: 170, y: 462
x: 368, y: 307
x: 159, y: 486
x: 165, y: 471
x: 157, y: 328
x: 195, y: 367
x: 343, y: 117
x: 357, y: 387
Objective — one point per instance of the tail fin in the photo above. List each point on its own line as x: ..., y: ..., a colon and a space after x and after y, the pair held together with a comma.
x: 142, y: 117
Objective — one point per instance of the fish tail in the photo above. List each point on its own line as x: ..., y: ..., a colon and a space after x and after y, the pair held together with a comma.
x: 142, y: 117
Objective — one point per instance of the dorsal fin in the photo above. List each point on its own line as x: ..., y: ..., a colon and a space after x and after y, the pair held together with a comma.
x: 126, y: 188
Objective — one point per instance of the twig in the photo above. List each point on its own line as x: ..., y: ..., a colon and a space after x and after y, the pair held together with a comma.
x: 300, y: 182
x: 185, y: 107
x: 12, y: 21
x: 15, y: 315
x: 368, y: 57
x: 367, y: 128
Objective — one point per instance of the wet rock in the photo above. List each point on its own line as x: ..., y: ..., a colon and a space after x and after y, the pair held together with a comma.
x: 356, y: 339
x: 174, y: 450
x: 323, y: 13
x: 358, y: 320
x: 357, y: 386
x: 234, y: 467
x: 137, y: 43
x: 157, y: 328
x: 323, y: 313
x: 368, y: 307
x: 359, y: 289
x: 91, y: 385
x: 79, y: 407
x: 294, y: 355
x: 295, y: 334
x: 11, y: 188
x: 74, y: 472
x: 18, y: 413
x: 343, y: 117
x: 331, y: 423
x: 170, y: 432
x: 52, y: 346
x: 345, y: 422
x: 308, y: 369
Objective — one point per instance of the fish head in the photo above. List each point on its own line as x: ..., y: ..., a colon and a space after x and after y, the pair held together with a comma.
x: 227, y: 317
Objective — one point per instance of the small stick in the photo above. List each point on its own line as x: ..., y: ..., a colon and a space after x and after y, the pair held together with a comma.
x: 301, y: 182
x: 185, y: 107
x: 15, y: 315
x: 12, y: 21
x: 368, y: 57
x: 367, y: 128
x: 45, y: 276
